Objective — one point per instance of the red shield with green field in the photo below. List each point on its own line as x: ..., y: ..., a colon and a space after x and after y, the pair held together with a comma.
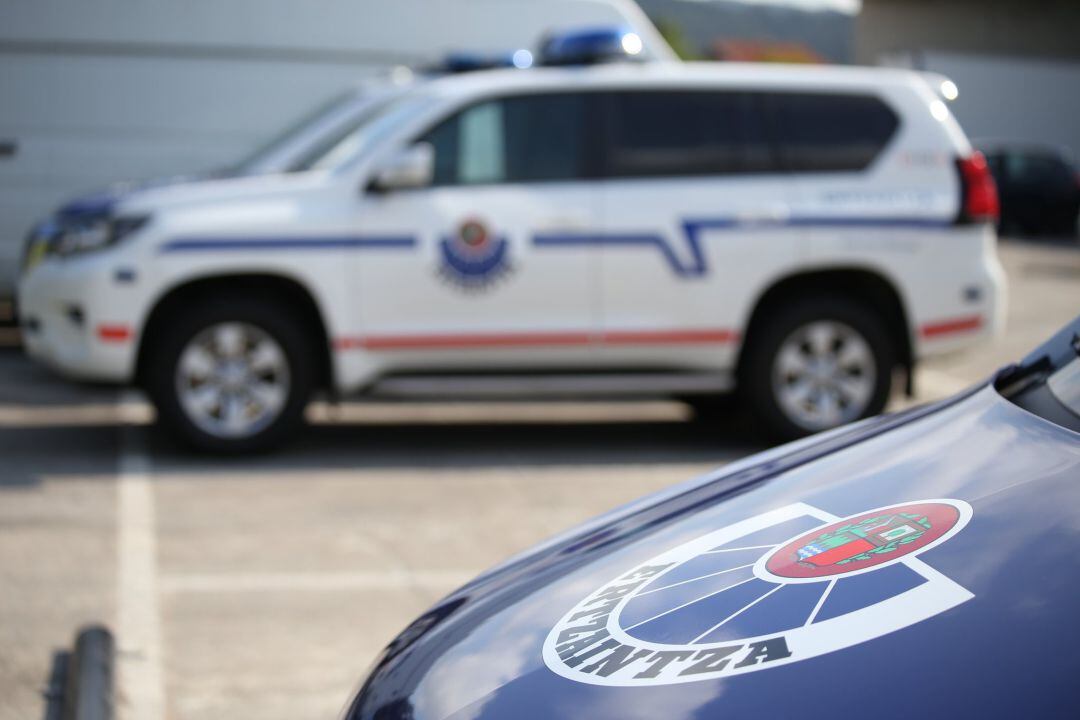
x: 863, y: 542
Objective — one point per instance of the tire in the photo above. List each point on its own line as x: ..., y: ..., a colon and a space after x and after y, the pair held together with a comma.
x: 798, y: 382
x: 254, y: 354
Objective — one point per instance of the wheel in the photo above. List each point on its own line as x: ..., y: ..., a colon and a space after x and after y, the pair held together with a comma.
x: 232, y: 376
x: 818, y: 364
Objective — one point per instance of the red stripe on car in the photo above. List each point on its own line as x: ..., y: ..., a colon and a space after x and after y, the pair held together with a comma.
x: 949, y: 327
x: 114, y: 333
x: 539, y: 339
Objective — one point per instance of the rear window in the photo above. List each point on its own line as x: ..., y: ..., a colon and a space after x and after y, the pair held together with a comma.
x: 678, y: 133
x: 687, y: 133
x: 830, y: 132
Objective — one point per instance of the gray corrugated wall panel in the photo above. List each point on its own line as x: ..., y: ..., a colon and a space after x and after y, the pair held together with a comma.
x: 95, y: 91
x: 399, y: 29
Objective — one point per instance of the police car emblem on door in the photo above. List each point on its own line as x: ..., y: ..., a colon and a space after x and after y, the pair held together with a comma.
x: 472, y: 258
x: 771, y: 590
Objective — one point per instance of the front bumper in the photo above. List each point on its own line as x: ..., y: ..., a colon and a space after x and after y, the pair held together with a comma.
x: 78, y: 320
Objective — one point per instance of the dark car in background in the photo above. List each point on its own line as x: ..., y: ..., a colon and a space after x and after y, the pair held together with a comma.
x: 1039, y: 189
x: 925, y: 563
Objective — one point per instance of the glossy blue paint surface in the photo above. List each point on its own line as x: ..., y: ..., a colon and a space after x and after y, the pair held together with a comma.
x: 1010, y: 651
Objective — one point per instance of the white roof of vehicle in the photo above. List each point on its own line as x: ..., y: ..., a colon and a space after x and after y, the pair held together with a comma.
x: 674, y: 73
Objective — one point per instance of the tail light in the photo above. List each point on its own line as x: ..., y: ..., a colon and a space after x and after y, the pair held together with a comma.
x: 980, y: 196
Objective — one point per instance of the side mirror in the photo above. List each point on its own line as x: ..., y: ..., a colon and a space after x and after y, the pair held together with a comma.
x: 412, y: 167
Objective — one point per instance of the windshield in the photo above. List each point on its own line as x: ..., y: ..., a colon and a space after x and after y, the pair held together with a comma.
x: 1065, y: 385
x: 353, y: 142
x: 260, y: 160
x: 1047, y: 382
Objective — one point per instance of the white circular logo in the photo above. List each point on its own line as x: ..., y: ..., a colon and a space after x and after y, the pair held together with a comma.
x: 781, y: 587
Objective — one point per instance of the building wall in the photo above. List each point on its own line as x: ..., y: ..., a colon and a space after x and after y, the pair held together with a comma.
x: 1016, y: 63
x: 95, y: 91
x: 1014, y: 100
x: 1023, y: 28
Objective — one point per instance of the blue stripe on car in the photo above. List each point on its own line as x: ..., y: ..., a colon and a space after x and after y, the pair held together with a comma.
x: 285, y: 243
x: 697, y: 264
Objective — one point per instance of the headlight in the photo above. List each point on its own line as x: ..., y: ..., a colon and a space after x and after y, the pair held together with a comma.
x: 96, y: 234
x: 37, y: 244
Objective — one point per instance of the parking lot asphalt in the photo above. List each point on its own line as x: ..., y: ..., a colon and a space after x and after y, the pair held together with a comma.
x: 264, y: 587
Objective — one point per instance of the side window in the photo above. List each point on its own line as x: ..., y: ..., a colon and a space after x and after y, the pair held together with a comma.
x: 444, y: 139
x: 481, y: 156
x: 529, y: 138
x: 680, y: 133
x: 830, y: 132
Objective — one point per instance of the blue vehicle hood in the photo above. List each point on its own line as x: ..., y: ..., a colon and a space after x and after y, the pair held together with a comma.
x: 980, y: 622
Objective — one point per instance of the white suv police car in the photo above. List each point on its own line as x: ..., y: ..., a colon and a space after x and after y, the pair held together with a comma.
x: 674, y: 229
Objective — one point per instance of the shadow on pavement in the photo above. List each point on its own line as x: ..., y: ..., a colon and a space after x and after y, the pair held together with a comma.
x: 33, y: 453
x: 52, y: 428
x: 479, y: 445
x: 53, y: 451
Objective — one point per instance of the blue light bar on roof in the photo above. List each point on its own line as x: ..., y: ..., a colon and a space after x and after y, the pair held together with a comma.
x: 591, y: 45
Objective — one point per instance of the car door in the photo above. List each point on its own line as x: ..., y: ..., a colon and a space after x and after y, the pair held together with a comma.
x: 474, y: 291
x: 694, y: 220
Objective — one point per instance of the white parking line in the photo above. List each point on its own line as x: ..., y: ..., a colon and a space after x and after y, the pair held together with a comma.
x: 931, y: 385
x: 140, y: 678
x: 16, y: 416
x: 517, y: 412
x: 135, y: 410
x: 935, y: 384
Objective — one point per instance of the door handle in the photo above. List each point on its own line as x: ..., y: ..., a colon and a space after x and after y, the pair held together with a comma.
x: 564, y: 223
x: 8, y: 148
x: 765, y: 215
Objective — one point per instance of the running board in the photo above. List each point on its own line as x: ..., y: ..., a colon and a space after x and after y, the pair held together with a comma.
x: 570, y: 386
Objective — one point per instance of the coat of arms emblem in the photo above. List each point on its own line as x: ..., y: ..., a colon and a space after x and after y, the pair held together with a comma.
x: 863, y: 540
x: 473, y: 258
x: 760, y: 594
